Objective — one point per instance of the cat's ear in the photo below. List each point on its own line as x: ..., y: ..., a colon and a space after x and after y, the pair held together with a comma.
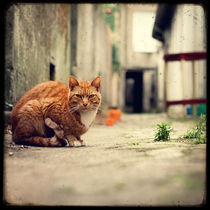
x: 72, y: 82
x: 96, y: 83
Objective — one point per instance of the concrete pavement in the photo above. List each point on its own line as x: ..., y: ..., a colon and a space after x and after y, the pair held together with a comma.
x: 110, y: 170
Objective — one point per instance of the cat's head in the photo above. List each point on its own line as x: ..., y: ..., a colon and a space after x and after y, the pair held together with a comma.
x: 84, y: 95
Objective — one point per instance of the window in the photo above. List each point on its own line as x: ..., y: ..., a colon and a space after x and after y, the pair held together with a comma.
x: 142, y: 32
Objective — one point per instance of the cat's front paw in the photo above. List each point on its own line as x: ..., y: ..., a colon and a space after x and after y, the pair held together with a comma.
x: 71, y: 143
x: 71, y: 139
x: 83, y: 144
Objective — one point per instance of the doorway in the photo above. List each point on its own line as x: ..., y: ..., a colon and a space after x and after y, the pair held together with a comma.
x: 134, y: 91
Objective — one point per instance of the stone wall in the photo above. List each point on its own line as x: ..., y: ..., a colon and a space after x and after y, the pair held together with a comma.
x: 37, y: 40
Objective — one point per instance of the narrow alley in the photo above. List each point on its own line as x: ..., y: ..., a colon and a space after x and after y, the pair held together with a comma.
x: 144, y: 62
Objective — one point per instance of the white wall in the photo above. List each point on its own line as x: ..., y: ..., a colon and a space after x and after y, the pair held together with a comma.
x: 160, y: 81
x: 85, y: 33
x: 139, y: 58
x: 187, y: 34
x: 94, y: 48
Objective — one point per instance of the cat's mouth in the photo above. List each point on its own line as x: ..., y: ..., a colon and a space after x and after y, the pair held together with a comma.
x: 86, y: 109
x: 82, y: 108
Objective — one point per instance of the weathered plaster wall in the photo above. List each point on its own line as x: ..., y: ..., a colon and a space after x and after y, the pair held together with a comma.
x: 36, y: 35
x: 187, y: 34
x: 94, y: 47
x: 128, y: 57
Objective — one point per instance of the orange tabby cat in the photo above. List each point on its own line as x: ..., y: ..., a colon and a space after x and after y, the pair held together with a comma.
x: 53, y: 114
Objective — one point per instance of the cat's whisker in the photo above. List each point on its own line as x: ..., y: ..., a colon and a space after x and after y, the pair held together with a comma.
x: 73, y: 109
x: 100, y: 110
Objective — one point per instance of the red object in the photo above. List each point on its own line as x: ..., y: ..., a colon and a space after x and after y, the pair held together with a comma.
x: 109, y: 121
x: 185, y: 56
x: 191, y: 101
x: 108, y: 11
x: 114, y: 115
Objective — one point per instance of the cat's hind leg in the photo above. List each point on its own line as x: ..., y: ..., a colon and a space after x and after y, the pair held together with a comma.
x: 71, y: 140
x: 57, y: 129
x: 29, y: 136
x: 42, y: 141
x: 30, y: 127
x: 60, y: 133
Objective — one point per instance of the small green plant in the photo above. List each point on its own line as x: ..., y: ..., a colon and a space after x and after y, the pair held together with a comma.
x: 199, y: 132
x: 163, y: 132
x: 134, y: 143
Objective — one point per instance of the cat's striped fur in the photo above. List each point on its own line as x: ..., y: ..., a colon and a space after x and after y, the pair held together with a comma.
x: 50, y: 113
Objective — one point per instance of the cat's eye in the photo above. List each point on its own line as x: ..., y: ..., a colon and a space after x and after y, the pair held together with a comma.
x: 78, y: 95
x: 91, y: 96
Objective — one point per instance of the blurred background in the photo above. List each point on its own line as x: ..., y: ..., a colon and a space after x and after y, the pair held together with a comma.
x: 147, y: 55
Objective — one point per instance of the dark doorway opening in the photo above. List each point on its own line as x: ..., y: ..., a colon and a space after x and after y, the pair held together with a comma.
x: 134, y: 91
x: 52, y: 72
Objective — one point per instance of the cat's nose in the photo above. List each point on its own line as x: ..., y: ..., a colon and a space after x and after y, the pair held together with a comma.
x: 85, y: 102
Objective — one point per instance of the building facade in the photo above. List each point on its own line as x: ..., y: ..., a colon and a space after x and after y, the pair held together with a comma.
x: 138, y: 59
x: 184, y: 33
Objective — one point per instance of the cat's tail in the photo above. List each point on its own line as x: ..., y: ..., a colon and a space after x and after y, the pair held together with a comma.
x: 41, y: 141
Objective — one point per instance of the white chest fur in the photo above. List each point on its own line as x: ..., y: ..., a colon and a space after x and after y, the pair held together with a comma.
x: 88, y: 117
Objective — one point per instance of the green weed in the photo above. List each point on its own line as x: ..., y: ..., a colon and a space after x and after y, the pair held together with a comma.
x: 163, y: 132
x: 134, y: 143
x: 189, y: 182
x: 199, y: 132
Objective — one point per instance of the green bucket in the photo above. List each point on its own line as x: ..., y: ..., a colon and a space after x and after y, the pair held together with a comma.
x: 200, y: 109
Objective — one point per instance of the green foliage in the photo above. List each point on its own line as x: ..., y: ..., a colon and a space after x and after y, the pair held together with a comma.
x: 189, y: 182
x: 134, y: 143
x: 99, y: 74
x: 109, y: 18
x: 199, y: 132
x: 163, y: 132
x: 115, y: 58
